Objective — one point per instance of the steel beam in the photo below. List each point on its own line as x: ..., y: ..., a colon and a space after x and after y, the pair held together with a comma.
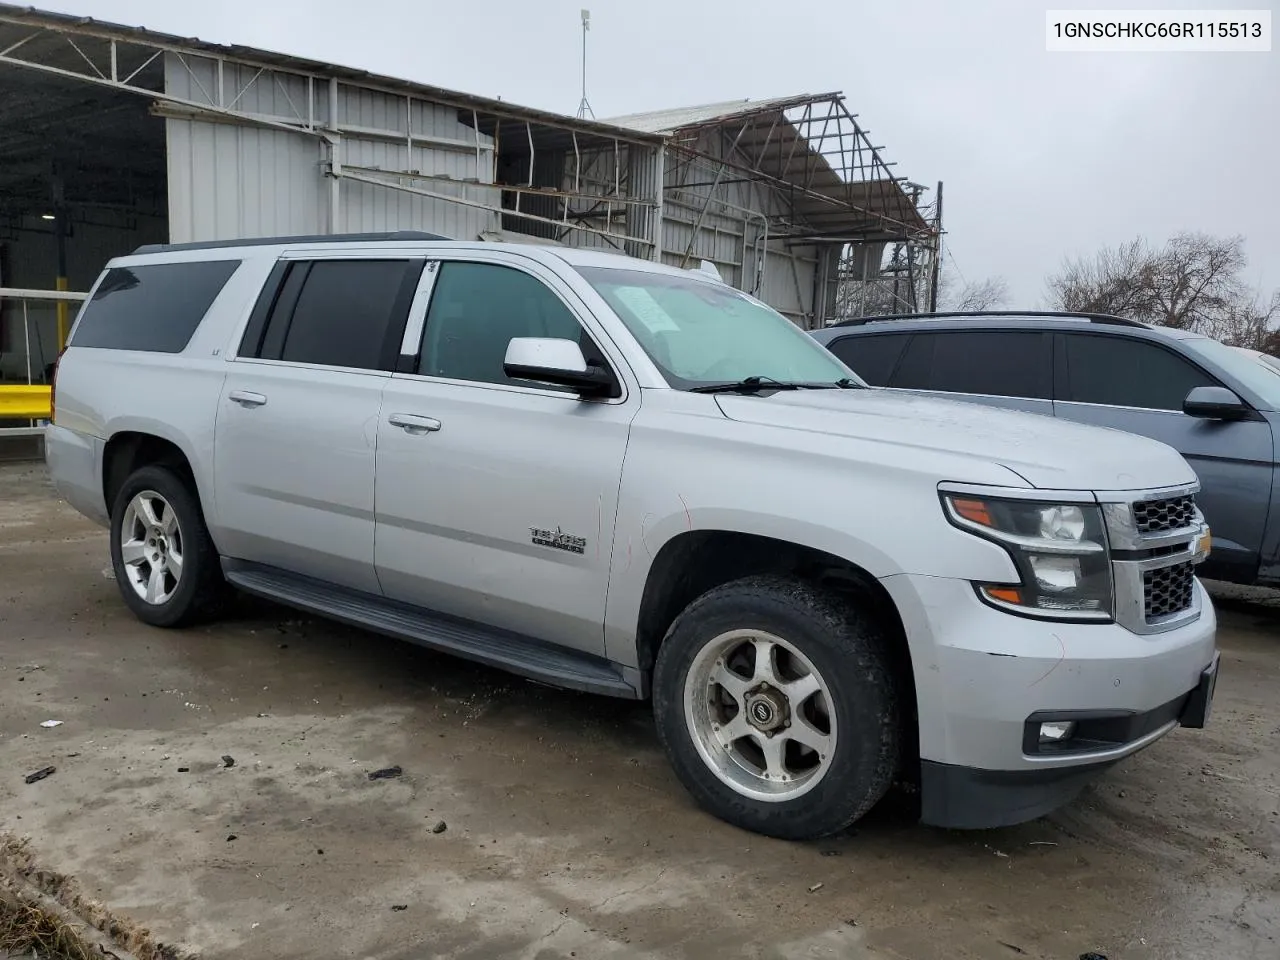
x: 351, y: 174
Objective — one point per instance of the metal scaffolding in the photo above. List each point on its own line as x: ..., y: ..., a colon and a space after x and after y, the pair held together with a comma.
x: 796, y: 177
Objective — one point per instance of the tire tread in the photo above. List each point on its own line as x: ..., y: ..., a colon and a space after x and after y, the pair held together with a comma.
x: 857, y: 652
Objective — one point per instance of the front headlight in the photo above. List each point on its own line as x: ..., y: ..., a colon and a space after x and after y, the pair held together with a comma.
x: 1059, y: 549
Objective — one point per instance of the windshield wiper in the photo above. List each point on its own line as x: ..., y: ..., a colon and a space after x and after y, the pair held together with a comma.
x: 748, y: 385
x: 758, y: 384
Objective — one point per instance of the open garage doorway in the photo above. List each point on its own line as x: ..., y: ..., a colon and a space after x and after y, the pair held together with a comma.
x: 82, y: 179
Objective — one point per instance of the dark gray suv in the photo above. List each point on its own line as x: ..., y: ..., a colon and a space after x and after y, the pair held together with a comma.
x: 1217, y: 405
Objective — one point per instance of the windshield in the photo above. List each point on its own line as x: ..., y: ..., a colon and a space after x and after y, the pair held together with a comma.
x: 1253, y: 372
x: 699, y: 333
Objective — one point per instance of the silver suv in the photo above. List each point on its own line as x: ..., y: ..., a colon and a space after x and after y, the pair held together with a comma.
x: 625, y: 478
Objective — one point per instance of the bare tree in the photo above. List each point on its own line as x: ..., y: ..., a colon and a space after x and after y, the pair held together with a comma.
x: 1109, y: 283
x: 1193, y: 282
x: 985, y: 294
x: 988, y: 294
x: 1249, y: 323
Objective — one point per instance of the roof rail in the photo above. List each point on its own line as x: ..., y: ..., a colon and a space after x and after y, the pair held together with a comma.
x: 311, y: 238
x: 1105, y: 318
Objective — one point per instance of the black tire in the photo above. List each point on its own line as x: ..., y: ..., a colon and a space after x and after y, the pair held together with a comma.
x: 848, y: 648
x: 200, y: 591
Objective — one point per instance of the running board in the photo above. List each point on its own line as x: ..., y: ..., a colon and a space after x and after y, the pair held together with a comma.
x: 506, y: 650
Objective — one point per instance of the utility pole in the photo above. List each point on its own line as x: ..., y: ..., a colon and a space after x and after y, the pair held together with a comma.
x: 937, y: 253
x: 584, y: 107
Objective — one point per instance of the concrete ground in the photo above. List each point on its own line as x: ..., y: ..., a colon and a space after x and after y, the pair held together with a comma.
x: 567, y: 836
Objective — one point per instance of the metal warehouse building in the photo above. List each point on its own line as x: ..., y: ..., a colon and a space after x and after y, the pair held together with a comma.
x: 114, y: 136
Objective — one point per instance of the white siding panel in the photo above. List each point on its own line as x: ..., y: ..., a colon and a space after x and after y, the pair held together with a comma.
x: 228, y: 181
x: 231, y: 179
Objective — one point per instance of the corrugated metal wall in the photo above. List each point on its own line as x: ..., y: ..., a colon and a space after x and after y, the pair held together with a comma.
x: 229, y: 179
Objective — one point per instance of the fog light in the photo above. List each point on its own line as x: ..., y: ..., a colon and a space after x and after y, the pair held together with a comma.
x: 1057, y: 732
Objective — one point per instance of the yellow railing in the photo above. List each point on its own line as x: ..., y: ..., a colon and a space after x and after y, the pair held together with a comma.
x: 23, y: 402
x: 32, y: 400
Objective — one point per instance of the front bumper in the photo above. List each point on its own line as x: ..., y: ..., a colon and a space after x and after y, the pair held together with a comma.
x: 970, y: 798
x: 985, y: 678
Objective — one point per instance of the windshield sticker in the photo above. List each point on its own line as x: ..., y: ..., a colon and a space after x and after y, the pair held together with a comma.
x: 646, y: 309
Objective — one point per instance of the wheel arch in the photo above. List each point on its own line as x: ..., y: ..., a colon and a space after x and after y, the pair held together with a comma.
x: 132, y: 446
x: 691, y: 563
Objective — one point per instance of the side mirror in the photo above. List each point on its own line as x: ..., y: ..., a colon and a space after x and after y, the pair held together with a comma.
x: 1215, y: 403
x: 560, y: 362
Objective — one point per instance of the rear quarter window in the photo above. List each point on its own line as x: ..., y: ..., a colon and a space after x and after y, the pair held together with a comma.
x: 153, y: 307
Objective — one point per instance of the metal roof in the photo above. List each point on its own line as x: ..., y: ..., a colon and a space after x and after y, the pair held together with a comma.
x: 12, y: 15
x: 669, y: 121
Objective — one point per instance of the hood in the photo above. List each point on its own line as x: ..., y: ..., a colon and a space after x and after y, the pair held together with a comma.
x: 1046, y: 452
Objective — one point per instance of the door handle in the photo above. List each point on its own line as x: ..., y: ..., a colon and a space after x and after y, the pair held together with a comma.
x: 247, y: 398
x: 412, y: 423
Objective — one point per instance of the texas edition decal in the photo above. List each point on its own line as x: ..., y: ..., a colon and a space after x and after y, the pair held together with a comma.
x: 558, y: 540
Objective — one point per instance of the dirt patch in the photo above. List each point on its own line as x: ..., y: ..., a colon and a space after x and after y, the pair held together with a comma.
x: 48, y: 912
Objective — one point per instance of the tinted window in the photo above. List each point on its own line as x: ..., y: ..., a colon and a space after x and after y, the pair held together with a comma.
x: 1121, y: 371
x: 997, y: 363
x: 154, y: 307
x: 871, y: 357
x: 345, y: 312
x: 477, y: 309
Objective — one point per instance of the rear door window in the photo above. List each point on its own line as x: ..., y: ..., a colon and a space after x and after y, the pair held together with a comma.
x: 337, y: 313
x: 155, y: 307
x: 996, y: 363
x: 872, y: 357
x: 1123, y: 371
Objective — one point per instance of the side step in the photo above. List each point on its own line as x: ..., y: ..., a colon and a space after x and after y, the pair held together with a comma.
x: 506, y: 650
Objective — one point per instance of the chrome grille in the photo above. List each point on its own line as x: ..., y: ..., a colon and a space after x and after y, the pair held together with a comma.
x: 1157, y: 516
x: 1167, y: 590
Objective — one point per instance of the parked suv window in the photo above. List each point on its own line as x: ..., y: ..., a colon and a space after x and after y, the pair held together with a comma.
x: 344, y: 313
x: 477, y: 309
x: 1126, y: 372
x: 998, y: 363
x: 154, y: 307
x: 871, y: 357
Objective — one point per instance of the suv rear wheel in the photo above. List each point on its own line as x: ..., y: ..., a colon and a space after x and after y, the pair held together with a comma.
x: 164, y: 560
x: 777, y: 707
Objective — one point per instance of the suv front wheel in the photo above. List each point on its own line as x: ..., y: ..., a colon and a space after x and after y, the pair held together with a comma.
x: 161, y: 552
x: 778, y: 708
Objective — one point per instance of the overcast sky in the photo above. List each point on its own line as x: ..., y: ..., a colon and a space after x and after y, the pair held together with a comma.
x: 1044, y: 155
